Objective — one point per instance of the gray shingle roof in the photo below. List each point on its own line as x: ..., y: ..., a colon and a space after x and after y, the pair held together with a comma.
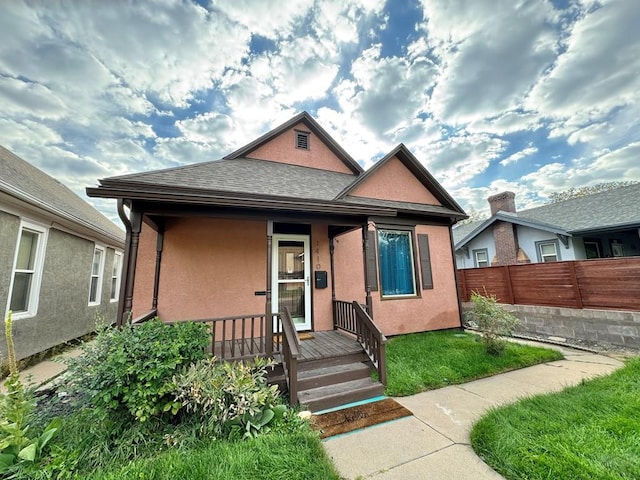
x: 610, y: 210
x: 247, y: 176
x: 614, y: 208
x: 20, y: 179
x: 462, y: 230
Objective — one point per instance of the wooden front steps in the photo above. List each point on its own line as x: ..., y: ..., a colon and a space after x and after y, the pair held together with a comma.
x: 336, y: 381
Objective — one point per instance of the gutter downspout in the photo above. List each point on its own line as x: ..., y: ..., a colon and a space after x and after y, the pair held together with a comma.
x: 125, y: 264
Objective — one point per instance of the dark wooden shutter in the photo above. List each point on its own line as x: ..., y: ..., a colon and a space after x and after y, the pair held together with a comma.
x: 372, y: 264
x: 425, y: 261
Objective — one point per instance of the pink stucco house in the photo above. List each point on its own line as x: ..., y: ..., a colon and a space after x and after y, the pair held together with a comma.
x: 290, y: 220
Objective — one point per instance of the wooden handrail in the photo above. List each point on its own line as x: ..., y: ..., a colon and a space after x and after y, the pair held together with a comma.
x: 145, y: 317
x: 372, y: 340
x: 290, y: 354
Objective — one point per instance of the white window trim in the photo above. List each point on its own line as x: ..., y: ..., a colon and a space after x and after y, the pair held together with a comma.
x: 539, y: 245
x: 118, y: 277
x: 475, y: 257
x: 100, y: 275
x: 34, y: 294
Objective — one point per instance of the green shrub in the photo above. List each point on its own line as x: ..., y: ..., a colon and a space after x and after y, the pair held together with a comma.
x: 232, y: 397
x: 133, y: 367
x: 492, y: 320
x: 21, y: 446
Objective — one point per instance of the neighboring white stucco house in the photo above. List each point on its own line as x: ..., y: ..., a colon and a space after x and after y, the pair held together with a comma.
x: 60, y: 259
x: 600, y: 225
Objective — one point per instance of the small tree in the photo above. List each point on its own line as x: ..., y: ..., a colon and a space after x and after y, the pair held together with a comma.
x: 492, y: 320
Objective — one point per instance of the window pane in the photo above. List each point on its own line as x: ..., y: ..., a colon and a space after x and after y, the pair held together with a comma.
x: 93, y: 293
x: 548, y: 249
x: 27, y: 250
x: 291, y: 295
x: 20, y: 294
x: 97, y: 260
x: 396, y: 263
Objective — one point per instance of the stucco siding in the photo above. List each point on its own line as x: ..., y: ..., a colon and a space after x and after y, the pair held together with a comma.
x: 282, y: 149
x: 322, y: 306
x: 394, y: 181
x: 145, y: 272
x: 63, y: 308
x: 482, y: 241
x: 212, y: 268
x: 432, y: 309
x: 9, y: 226
x: 527, y: 238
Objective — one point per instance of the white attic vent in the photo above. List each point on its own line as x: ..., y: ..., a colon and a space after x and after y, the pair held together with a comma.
x: 302, y: 140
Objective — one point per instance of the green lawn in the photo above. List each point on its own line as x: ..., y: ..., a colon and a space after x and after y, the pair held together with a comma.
x: 296, y: 456
x: 591, y: 431
x: 425, y: 361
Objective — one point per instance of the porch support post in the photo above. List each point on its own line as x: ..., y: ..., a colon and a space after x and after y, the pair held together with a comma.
x: 156, y: 278
x: 133, y: 226
x: 268, y: 309
x: 333, y: 279
x: 365, y: 249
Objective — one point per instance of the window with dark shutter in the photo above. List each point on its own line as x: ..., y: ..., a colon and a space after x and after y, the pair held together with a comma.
x: 302, y: 140
x: 425, y: 261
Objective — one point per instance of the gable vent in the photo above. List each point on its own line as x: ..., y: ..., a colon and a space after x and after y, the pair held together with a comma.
x: 302, y: 140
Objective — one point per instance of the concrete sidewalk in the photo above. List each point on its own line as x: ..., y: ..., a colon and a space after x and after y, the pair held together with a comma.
x: 434, y: 443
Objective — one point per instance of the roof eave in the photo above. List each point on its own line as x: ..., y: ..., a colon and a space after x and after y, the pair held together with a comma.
x: 64, y: 218
x: 238, y: 200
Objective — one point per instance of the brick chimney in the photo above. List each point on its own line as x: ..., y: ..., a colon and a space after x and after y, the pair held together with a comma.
x: 504, y: 235
x: 505, y: 201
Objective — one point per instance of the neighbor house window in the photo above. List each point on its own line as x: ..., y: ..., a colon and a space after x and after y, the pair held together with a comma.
x: 481, y: 257
x: 97, y: 268
x: 115, y: 276
x: 548, y: 251
x: 302, y: 140
x: 592, y: 249
x: 27, y: 270
x: 395, y: 254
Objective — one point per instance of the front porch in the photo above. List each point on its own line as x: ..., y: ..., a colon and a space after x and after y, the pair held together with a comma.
x: 322, y: 370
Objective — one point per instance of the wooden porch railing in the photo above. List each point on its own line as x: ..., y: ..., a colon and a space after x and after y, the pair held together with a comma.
x: 290, y: 354
x: 352, y: 317
x: 242, y: 337
x: 145, y: 317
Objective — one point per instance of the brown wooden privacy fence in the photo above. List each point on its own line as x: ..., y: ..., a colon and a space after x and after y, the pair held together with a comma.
x: 600, y: 284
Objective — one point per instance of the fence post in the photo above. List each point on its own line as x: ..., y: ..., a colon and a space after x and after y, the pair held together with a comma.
x: 509, y: 285
x: 574, y: 282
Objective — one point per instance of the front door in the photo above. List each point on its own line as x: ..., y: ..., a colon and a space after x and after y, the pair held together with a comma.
x: 291, y: 278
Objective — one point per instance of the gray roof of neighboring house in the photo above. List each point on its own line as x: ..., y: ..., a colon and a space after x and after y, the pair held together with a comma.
x: 247, y: 175
x: 604, y: 211
x: 20, y: 179
x: 615, y: 208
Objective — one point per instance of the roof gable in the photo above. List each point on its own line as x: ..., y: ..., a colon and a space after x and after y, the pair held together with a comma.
x: 278, y: 145
x: 400, y: 176
x: 30, y: 185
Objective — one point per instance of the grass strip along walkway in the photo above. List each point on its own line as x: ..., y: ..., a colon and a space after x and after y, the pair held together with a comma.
x: 585, y: 432
x: 426, y: 361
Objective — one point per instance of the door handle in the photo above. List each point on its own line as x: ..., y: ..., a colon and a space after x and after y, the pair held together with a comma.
x: 307, y: 280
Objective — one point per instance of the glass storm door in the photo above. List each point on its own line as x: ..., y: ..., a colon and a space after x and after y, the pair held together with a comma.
x: 290, y: 282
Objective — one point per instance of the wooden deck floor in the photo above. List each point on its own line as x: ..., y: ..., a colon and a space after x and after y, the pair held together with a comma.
x: 328, y: 344
x: 313, y: 345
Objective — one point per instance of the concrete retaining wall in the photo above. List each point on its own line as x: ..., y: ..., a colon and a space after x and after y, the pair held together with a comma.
x: 603, y: 327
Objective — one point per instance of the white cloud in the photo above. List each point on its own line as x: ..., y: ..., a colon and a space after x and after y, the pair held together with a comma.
x: 491, y: 55
x: 513, y: 158
x: 599, y: 70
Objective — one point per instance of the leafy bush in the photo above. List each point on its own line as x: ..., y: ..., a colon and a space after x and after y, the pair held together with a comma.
x: 233, y: 397
x: 21, y: 447
x: 492, y: 320
x: 133, y: 367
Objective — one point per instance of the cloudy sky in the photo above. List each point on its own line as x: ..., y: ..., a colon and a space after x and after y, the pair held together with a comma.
x: 531, y: 96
